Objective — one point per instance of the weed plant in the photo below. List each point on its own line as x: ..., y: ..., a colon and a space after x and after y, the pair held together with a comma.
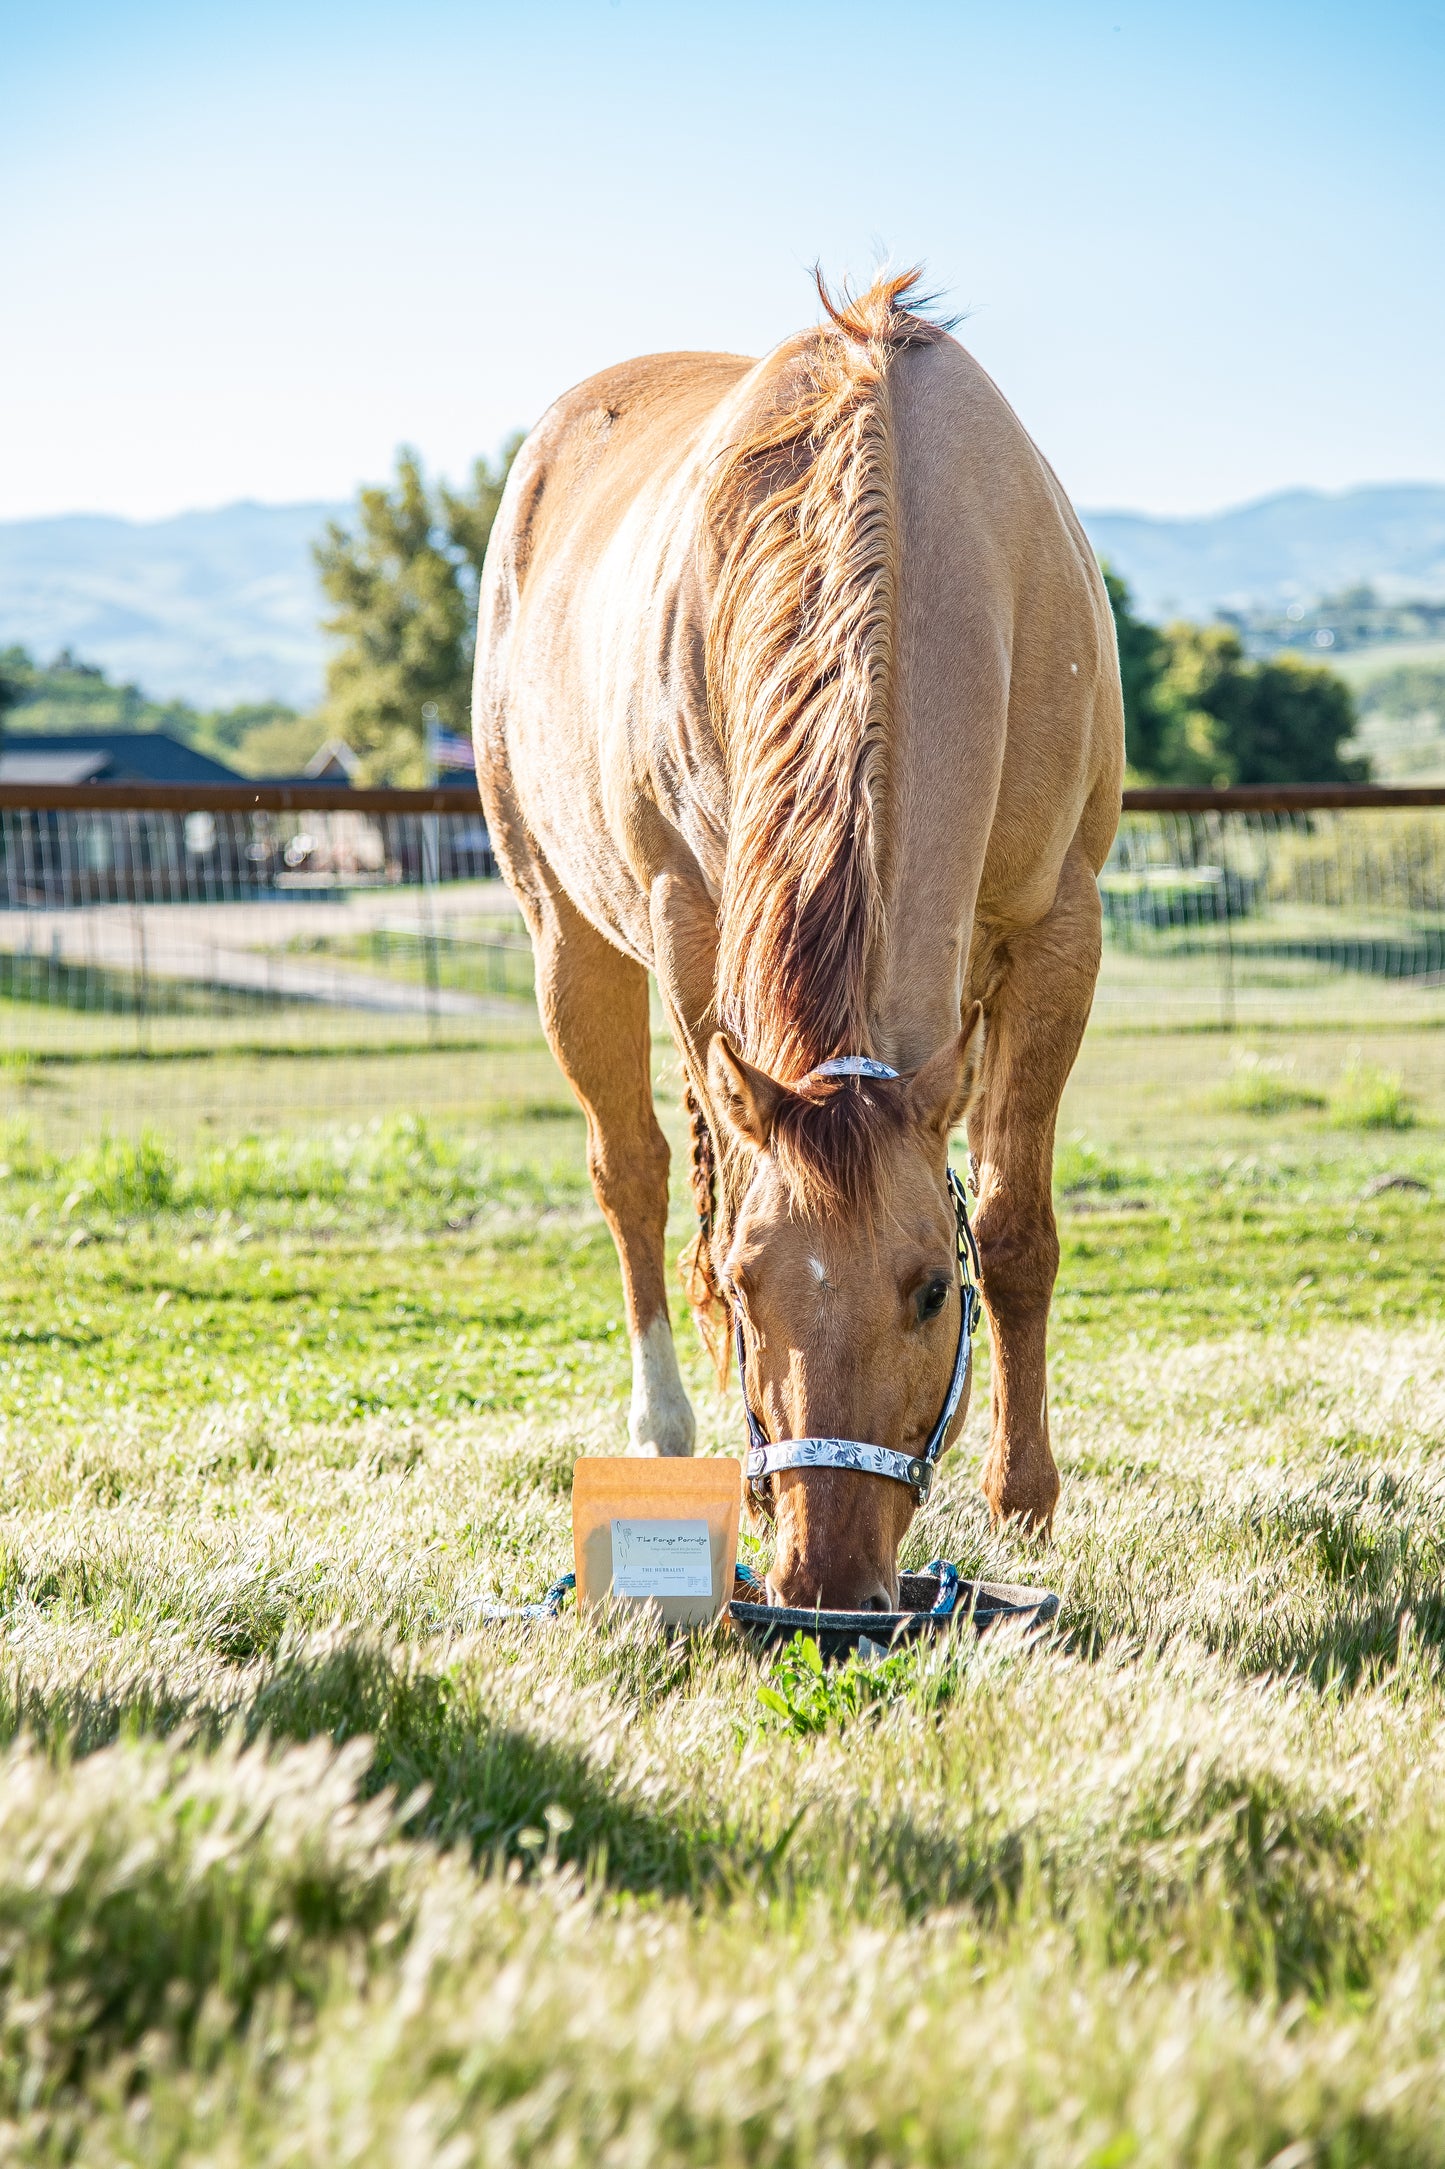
x: 1363, y: 1097
x: 302, y: 1861
x: 1267, y: 1085
x: 1371, y: 1099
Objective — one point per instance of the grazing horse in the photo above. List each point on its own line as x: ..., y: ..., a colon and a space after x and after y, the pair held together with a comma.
x: 797, y: 686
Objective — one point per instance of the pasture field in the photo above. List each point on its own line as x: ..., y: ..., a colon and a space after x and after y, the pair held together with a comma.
x: 303, y: 1863
x: 1360, y: 665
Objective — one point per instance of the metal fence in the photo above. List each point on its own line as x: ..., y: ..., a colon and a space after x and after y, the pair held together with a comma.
x: 242, y: 954
x: 245, y: 954
x: 1310, y: 907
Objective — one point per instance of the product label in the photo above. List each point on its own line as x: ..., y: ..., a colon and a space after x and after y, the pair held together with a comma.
x: 661, y: 1559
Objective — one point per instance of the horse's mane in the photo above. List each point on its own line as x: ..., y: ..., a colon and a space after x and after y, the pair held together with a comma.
x: 800, y: 658
x: 800, y: 678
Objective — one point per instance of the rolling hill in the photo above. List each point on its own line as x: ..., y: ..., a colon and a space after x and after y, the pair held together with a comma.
x: 222, y: 607
x: 1296, y: 546
x: 214, y: 608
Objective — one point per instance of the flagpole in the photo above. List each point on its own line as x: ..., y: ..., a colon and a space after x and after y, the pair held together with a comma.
x: 430, y: 864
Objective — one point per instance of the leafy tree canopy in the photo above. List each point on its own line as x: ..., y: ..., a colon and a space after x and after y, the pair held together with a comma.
x: 1197, y: 711
x: 13, y: 661
x: 71, y: 695
x: 402, y: 578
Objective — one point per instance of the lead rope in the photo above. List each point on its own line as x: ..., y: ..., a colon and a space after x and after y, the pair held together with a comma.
x: 549, y: 1608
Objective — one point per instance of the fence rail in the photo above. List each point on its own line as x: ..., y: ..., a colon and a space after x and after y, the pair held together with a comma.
x: 237, y: 924
x: 456, y: 798
x: 1285, y: 798
x: 232, y: 798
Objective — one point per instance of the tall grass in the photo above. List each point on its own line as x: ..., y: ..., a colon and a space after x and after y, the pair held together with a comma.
x: 391, y: 1164
x: 301, y: 1861
x: 1368, y: 1098
x: 1267, y: 1085
x: 1170, y: 1882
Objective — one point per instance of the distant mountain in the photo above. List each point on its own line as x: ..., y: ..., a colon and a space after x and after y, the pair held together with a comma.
x: 1294, y: 547
x: 222, y: 607
x: 211, y: 607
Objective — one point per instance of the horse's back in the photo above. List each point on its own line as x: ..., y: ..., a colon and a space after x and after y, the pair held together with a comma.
x: 1007, y: 674
x: 600, y: 446
x: 591, y: 711
x: 574, y: 588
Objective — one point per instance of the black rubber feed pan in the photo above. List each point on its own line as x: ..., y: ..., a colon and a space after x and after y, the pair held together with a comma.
x: 983, y: 1604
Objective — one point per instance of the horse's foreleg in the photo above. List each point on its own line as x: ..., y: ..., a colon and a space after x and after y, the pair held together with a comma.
x: 1035, y: 1020
x: 593, y: 1001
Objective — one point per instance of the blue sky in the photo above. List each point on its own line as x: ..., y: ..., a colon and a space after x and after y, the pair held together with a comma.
x: 250, y: 249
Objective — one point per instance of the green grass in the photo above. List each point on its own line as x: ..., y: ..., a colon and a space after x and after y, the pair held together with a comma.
x: 300, y: 1861
x: 1363, y: 1097
x: 478, y: 957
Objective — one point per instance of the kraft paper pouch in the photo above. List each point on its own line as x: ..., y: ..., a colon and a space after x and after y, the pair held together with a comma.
x: 661, y: 1533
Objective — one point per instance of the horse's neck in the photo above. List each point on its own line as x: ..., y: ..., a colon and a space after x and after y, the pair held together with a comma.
x: 945, y: 755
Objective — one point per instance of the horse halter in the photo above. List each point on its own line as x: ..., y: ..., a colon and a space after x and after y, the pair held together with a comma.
x: 766, y: 1457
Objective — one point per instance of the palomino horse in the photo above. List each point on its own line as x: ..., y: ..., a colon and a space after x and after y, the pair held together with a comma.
x: 797, y: 686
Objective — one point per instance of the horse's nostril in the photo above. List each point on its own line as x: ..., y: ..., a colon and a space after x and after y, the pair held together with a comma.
x: 879, y: 1601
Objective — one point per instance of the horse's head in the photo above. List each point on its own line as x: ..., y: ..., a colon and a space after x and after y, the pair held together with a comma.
x: 841, y: 1260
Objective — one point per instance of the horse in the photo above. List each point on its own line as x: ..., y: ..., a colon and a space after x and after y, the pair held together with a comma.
x: 797, y: 687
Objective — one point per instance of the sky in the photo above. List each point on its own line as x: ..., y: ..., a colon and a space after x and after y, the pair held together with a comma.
x: 250, y: 250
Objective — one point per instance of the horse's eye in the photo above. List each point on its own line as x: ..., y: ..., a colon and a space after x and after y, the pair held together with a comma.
x: 931, y: 1298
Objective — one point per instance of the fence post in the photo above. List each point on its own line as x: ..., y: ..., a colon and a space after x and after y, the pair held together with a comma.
x: 137, y: 938
x: 430, y: 875
x: 1226, y: 947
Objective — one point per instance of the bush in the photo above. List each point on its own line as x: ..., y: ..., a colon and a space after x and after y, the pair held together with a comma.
x: 1396, y: 861
x: 1266, y: 1085
x: 126, y: 1178
x: 1371, y: 1099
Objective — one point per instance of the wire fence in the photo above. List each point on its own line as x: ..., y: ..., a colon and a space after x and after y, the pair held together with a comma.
x: 243, y: 955
x: 1302, y: 909
x: 235, y: 956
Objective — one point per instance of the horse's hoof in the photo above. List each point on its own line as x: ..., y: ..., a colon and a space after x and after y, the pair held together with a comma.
x: 1023, y: 1510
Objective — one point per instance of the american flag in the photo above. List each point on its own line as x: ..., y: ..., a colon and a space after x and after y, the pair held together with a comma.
x: 450, y: 751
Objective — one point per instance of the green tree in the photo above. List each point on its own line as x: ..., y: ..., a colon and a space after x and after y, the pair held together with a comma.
x: 402, y: 577
x: 1233, y: 721
x: 1142, y: 657
x: 68, y: 695
x: 1197, y: 711
x: 1295, y: 720
x: 16, y: 669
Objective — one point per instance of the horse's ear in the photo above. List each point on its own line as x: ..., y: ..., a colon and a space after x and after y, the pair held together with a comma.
x: 940, y: 1092
x: 748, y: 1099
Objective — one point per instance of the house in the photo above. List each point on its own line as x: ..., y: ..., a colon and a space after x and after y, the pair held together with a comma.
x: 51, y: 757
x: 93, y: 856
x: 98, y: 856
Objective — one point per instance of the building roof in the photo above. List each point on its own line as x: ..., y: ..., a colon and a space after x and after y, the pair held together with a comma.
x: 49, y: 757
x: 332, y: 763
x: 18, y: 764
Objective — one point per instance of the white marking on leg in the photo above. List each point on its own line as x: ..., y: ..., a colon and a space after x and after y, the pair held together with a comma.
x: 660, y: 1419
